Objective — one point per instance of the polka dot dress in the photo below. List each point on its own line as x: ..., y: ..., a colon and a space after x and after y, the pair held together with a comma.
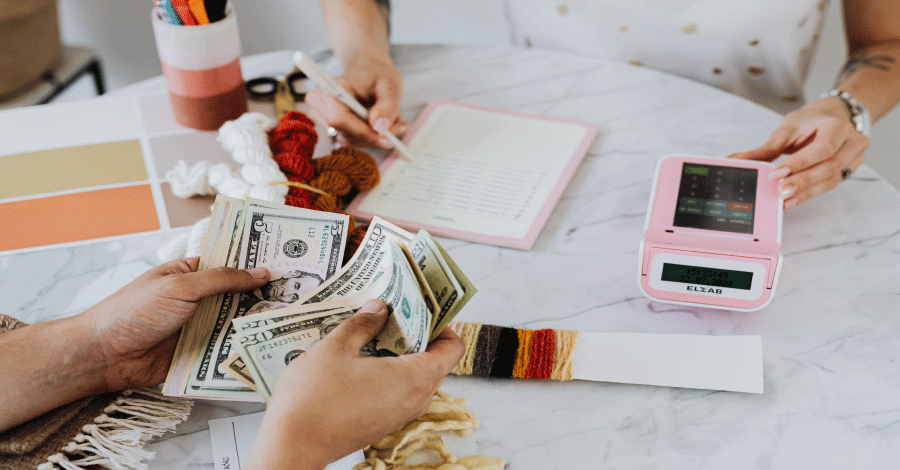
x: 759, y: 49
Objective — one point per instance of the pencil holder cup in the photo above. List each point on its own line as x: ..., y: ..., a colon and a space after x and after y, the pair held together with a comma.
x: 202, y: 68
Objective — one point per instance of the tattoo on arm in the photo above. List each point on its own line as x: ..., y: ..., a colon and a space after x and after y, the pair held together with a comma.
x: 863, y: 60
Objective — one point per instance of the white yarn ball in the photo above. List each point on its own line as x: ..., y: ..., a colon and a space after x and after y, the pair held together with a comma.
x: 227, y: 181
x: 190, y: 181
x: 219, y: 172
x: 245, y: 138
x: 267, y: 193
x: 262, y: 174
x: 252, y: 155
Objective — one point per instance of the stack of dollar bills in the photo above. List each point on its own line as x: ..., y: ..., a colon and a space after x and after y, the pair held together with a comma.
x: 236, y: 345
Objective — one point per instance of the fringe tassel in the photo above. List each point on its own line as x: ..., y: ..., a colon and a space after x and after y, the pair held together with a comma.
x: 117, y: 437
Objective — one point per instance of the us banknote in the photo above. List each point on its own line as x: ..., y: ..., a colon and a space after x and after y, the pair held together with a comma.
x: 300, y: 248
x: 269, y: 341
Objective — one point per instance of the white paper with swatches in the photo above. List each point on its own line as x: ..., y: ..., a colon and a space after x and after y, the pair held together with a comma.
x: 478, y: 174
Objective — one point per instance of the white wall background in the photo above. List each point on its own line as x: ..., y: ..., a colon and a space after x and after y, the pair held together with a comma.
x: 120, y: 31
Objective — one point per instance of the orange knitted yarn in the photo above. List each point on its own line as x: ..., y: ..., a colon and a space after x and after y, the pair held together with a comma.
x: 523, y: 355
x: 342, y: 174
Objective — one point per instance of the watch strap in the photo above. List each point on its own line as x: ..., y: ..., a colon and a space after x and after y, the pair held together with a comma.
x: 859, y: 115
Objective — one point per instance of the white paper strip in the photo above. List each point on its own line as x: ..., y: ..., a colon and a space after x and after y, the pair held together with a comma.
x: 729, y: 363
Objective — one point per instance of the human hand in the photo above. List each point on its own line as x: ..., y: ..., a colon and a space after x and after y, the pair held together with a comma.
x: 332, y: 401
x: 377, y: 85
x: 824, y: 148
x: 136, y: 328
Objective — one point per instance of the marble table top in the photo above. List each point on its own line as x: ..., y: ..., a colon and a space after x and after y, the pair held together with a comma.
x: 830, y: 336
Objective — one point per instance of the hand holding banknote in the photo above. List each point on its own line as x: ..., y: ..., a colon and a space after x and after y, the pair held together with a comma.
x: 125, y: 341
x: 331, y: 401
x: 137, y: 327
x: 237, y: 345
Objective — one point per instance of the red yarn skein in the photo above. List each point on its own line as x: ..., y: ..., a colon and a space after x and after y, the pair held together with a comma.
x: 293, y: 141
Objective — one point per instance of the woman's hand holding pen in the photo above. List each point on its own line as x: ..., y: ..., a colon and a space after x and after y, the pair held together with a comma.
x: 378, y: 85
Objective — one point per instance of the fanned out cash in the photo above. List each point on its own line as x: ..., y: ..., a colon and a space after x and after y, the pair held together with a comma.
x: 422, y: 287
x: 301, y: 249
x: 236, y: 345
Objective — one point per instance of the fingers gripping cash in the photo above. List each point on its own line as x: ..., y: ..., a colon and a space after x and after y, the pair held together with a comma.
x: 238, y: 344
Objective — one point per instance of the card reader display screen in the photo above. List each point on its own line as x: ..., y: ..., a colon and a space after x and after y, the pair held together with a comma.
x: 716, y: 198
x: 706, y: 276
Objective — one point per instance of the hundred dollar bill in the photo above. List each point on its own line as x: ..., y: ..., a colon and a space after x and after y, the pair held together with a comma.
x: 301, y: 248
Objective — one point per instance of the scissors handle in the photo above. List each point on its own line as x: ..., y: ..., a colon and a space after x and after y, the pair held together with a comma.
x: 266, y: 87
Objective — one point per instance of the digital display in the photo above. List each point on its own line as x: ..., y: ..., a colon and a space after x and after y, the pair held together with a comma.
x: 706, y: 276
x: 716, y: 198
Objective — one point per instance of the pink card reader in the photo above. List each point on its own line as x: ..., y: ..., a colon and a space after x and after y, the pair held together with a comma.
x: 712, y: 235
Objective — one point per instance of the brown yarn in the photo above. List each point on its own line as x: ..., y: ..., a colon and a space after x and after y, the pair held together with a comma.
x: 359, y: 166
x: 486, y: 350
x: 326, y: 202
x: 333, y: 181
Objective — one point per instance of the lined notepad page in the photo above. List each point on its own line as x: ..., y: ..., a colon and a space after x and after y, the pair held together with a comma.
x: 480, y: 171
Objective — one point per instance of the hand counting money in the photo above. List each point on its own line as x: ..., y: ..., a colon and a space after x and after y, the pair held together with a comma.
x: 236, y: 345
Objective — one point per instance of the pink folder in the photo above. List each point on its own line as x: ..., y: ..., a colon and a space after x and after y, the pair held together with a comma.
x: 564, y: 166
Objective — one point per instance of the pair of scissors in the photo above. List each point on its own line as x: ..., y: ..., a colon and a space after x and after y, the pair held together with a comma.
x: 283, y: 92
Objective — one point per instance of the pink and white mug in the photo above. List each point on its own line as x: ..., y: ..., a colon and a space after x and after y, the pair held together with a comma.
x: 203, y: 71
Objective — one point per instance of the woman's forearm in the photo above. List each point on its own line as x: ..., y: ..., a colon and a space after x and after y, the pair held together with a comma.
x: 872, y: 72
x: 44, y: 366
x: 357, y: 30
x: 872, y: 76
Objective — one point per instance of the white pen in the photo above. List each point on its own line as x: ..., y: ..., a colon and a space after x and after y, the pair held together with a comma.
x: 316, y: 74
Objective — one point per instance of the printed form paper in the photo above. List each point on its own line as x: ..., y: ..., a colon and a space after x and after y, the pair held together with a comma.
x: 490, y: 174
x: 232, y: 439
x: 729, y: 363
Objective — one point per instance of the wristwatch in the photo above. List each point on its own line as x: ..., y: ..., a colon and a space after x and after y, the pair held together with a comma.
x: 859, y: 115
